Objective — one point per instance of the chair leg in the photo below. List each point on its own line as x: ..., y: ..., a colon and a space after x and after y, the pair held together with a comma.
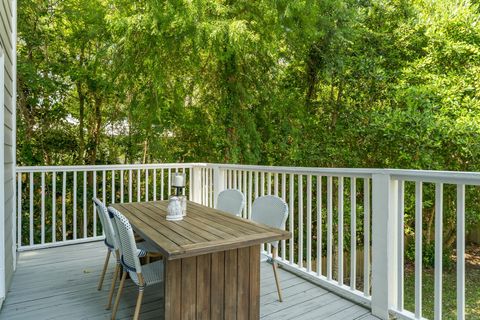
x: 119, y: 293
x: 105, y: 266
x: 139, y: 303
x: 275, y: 273
x: 112, y: 287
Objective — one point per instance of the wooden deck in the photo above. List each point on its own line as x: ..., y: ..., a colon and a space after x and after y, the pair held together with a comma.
x: 60, y: 283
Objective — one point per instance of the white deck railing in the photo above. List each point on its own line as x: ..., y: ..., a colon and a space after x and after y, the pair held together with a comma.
x: 433, y: 181
x: 54, y: 204
x: 317, y: 249
x: 347, y: 224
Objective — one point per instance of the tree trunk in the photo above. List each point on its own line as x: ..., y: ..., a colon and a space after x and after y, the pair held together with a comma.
x: 81, y: 117
x: 337, y: 103
x: 23, y: 107
x: 128, y: 157
x: 429, y: 218
x: 313, y: 64
x: 451, y: 238
x: 145, y: 151
x: 96, y: 131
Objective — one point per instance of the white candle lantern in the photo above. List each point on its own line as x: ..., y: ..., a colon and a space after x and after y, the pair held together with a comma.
x: 178, y: 182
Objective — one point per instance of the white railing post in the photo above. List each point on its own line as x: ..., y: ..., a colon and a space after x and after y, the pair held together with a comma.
x: 218, y: 183
x: 197, y: 184
x: 384, y: 248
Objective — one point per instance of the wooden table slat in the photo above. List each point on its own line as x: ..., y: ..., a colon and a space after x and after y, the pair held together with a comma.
x: 217, y: 219
x: 217, y: 285
x: 203, y: 286
x: 200, y: 223
x: 254, y: 309
x: 180, y: 228
x: 245, y: 241
x: 147, y: 231
x: 132, y: 212
x: 206, y: 226
x: 231, y: 271
x: 173, y: 289
x: 231, y: 220
x: 189, y: 286
x: 243, y: 283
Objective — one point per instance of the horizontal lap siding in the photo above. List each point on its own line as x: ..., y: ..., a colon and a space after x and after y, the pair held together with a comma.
x: 8, y: 240
x: 8, y: 116
x: 8, y: 136
x: 6, y: 30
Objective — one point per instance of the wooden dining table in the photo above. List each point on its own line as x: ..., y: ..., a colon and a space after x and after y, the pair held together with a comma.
x: 212, y: 259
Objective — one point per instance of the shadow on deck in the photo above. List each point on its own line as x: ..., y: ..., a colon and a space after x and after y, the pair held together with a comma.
x: 60, y: 283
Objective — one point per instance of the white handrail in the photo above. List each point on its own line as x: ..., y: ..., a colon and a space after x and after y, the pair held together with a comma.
x: 107, y: 167
x: 470, y: 178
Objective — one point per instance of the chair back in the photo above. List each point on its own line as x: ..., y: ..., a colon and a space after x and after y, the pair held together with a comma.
x: 231, y: 201
x: 128, y: 247
x: 271, y: 211
x: 110, y: 239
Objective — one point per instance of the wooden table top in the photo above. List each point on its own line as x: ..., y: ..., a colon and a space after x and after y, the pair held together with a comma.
x: 204, y: 229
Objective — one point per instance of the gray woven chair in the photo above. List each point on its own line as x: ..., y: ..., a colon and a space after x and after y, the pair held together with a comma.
x: 110, y: 241
x: 143, y: 276
x: 271, y: 211
x: 113, y: 246
x: 231, y: 201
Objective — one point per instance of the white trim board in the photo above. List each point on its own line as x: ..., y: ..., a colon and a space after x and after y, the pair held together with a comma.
x: 2, y: 175
x: 14, y: 131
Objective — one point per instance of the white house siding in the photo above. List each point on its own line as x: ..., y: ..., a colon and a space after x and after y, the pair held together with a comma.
x: 7, y: 42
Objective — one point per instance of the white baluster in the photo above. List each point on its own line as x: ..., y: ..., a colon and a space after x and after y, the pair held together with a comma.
x: 438, y: 250
x: 340, y: 231
x: 42, y: 228
x: 74, y: 206
x: 353, y: 233
x: 319, y: 226
x: 309, y: 223
x: 401, y: 249
x: 418, y: 249
x: 329, y: 227
x: 64, y: 196
x: 31, y: 209
x: 460, y: 251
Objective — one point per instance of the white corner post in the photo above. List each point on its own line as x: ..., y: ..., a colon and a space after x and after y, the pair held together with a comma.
x: 197, y: 184
x: 218, y: 183
x: 384, y: 244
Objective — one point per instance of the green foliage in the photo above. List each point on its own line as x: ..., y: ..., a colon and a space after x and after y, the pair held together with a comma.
x: 328, y: 83
x: 428, y: 254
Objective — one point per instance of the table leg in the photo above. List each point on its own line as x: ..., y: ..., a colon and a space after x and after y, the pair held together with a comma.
x: 173, y: 289
x: 221, y: 285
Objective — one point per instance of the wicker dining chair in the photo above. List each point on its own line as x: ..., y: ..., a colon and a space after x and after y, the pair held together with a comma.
x: 142, y: 275
x: 112, y: 243
x: 271, y: 211
x: 231, y: 201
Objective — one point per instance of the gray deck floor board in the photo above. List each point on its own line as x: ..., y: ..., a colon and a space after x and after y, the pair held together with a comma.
x: 60, y: 283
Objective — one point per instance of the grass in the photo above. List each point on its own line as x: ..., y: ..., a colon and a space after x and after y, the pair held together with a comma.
x: 449, y: 301
x: 449, y: 279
